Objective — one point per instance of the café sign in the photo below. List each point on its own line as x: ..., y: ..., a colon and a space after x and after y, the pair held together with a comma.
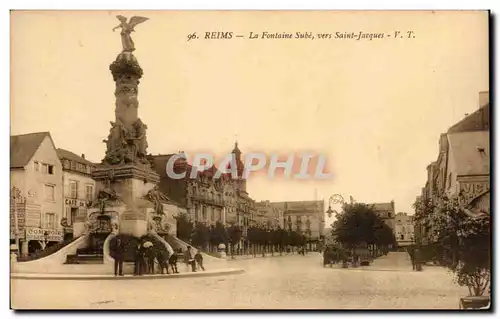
x: 44, y: 234
x: 76, y: 202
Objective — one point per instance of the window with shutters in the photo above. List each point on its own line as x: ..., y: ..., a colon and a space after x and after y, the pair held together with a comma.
x: 73, y: 189
x: 89, y: 192
x: 50, y: 220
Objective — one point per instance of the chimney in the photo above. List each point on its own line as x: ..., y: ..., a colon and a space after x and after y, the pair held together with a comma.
x: 83, y: 156
x: 484, y: 98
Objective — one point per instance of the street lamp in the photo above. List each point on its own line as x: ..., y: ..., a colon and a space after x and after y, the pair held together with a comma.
x: 334, y: 199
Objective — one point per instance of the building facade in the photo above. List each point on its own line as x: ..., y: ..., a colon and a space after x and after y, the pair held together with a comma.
x: 206, y: 198
x: 387, y: 212
x: 462, y: 168
x: 79, y: 188
x: 306, y: 217
x: 36, y: 177
x: 403, y: 229
x: 269, y: 215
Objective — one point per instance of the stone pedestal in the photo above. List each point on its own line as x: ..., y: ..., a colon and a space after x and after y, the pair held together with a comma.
x: 134, y: 222
x: 131, y: 182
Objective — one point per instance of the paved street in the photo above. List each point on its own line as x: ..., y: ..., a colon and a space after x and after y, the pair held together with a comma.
x: 298, y: 282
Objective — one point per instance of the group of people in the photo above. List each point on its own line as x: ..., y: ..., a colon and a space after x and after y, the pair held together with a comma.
x: 146, y: 257
x: 333, y: 255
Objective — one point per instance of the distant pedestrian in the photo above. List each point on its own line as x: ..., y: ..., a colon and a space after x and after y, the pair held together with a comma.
x: 139, y: 261
x: 162, y: 257
x: 118, y: 252
x: 417, y: 260
x: 199, y: 260
x: 189, y: 259
x: 411, y: 253
x: 150, y: 256
x: 172, y: 261
x: 326, y: 256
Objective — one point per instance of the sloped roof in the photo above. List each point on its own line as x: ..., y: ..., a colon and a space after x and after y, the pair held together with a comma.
x: 62, y: 153
x: 23, y: 147
x: 465, y: 154
x: 477, y: 121
x: 381, y: 206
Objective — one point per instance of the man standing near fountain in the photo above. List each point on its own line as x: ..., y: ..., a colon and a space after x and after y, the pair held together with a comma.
x: 118, y: 256
x: 189, y: 259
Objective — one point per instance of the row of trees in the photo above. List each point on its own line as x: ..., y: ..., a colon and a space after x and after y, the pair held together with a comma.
x: 258, y: 238
x: 358, y: 226
x: 456, y: 240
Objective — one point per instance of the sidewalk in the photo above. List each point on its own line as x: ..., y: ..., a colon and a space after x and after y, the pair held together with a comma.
x: 208, y: 273
x: 395, y: 261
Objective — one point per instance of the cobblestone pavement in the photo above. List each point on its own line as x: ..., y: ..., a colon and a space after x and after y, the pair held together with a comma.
x: 288, y: 282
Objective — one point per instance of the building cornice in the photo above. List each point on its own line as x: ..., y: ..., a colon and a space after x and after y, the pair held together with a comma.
x: 107, y: 172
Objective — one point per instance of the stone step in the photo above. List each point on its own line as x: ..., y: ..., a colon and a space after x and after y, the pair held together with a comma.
x: 84, y: 259
x: 89, y: 251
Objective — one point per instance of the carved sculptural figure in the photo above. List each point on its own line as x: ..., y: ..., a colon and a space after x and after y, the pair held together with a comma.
x: 157, y: 197
x: 140, y: 139
x: 127, y: 29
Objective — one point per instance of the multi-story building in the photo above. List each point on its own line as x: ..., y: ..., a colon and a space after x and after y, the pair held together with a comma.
x: 269, y: 215
x: 206, y: 198
x: 79, y: 188
x: 403, y: 229
x: 36, y: 175
x: 462, y: 167
x: 386, y: 211
x: 306, y: 217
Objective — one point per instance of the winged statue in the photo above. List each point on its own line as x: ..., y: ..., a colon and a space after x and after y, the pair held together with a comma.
x: 127, y: 29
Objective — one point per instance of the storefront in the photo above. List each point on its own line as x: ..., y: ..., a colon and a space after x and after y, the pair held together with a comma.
x: 38, y: 238
x: 75, y: 211
x: 28, y: 216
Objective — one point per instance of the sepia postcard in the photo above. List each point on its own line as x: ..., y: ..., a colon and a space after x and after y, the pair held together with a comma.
x: 259, y: 160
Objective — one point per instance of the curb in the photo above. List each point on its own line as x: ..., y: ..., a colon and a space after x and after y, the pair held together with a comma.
x: 377, y: 269
x: 260, y: 257
x: 221, y: 272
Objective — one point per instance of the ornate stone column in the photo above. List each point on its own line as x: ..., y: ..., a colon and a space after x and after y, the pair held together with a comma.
x: 125, y: 171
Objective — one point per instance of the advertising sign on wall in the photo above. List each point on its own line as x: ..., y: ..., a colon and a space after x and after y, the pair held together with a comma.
x: 44, y: 234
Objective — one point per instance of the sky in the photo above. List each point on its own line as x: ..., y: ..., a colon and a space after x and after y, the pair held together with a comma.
x: 374, y: 109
